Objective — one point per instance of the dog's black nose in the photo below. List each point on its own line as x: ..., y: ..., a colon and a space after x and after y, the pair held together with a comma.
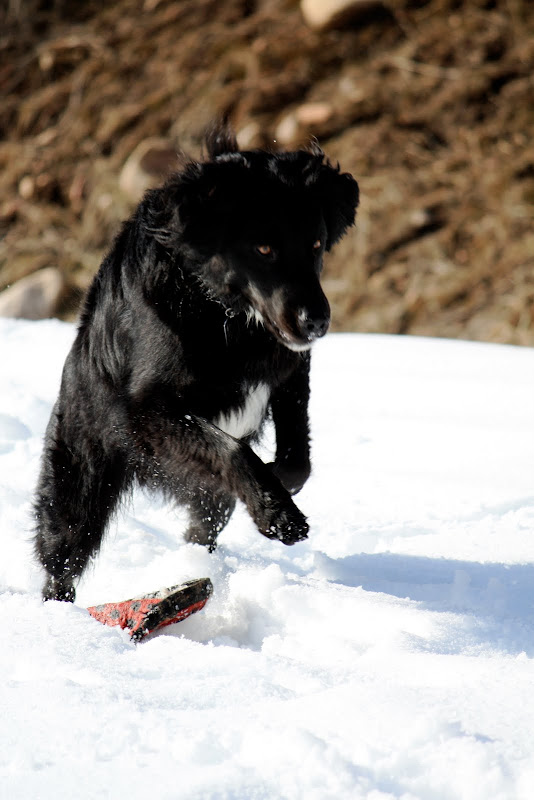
x: 314, y: 327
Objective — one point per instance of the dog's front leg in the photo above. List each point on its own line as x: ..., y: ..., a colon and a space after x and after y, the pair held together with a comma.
x: 289, y: 404
x: 188, y: 452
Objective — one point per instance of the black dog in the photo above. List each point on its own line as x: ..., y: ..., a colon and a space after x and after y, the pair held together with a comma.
x: 198, y: 324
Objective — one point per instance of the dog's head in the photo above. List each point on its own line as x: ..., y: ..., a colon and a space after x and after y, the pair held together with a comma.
x: 258, y: 224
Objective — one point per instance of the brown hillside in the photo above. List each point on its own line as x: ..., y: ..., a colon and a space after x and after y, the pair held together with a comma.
x: 429, y: 104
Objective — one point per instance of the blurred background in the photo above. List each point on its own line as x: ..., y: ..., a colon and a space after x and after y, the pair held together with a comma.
x: 429, y: 104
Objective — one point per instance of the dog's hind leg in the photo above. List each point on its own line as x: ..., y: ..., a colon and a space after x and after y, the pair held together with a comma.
x: 75, y: 499
x: 209, y: 512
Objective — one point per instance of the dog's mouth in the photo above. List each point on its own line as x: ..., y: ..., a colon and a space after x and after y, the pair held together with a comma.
x: 295, y: 329
x: 286, y: 338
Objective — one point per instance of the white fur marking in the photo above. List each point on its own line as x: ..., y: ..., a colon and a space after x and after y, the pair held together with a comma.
x: 254, y: 314
x: 298, y: 348
x: 246, y: 419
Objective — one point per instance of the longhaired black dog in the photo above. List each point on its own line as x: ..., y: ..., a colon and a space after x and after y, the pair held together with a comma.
x: 197, y: 326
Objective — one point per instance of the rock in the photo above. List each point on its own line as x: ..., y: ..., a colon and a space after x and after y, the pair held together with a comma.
x: 314, y: 113
x: 26, y: 187
x: 248, y: 136
x: 324, y: 14
x: 148, y: 166
x: 304, y: 119
x: 33, y: 297
x: 287, y: 130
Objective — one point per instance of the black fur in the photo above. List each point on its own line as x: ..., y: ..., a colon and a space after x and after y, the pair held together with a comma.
x: 210, y: 291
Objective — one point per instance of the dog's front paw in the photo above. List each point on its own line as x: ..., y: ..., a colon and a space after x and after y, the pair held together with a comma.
x: 284, y: 522
x: 291, y: 476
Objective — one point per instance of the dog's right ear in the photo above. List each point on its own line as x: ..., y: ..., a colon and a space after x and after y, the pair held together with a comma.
x: 205, y: 194
x: 202, y: 182
x: 205, y: 184
x: 220, y: 139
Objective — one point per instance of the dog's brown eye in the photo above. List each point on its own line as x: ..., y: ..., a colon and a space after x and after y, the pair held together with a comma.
x: 317, y: 244
x: 264, y: 249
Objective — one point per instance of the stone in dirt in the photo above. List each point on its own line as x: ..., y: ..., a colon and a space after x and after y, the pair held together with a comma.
x: 34, y: 297
x: 324, y: 14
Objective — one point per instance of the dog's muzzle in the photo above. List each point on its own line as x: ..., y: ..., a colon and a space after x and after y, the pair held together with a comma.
x: 312, y: 326
x: 295, y: 324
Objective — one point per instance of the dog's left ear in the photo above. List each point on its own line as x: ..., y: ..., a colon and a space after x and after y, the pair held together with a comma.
x: 339, y: 195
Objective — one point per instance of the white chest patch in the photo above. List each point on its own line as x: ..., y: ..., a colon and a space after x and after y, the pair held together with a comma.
x: 247, y: 418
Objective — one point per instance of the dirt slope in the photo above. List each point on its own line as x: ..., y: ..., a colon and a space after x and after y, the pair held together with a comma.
x: 429, y: 104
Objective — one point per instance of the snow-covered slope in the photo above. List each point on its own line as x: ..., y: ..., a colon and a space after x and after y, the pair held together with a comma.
x: 389, y: 656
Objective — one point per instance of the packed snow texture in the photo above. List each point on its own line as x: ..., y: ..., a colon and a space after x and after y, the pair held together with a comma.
x: 389, y: 656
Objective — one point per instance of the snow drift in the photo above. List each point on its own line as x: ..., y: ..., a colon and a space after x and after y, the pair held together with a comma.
x: 389, y: 656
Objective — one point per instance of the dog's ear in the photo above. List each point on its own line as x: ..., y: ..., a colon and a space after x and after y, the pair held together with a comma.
x: 211, y: 183
x: 220, y: 139
x: 339, y: 195
x: 205, y: 196
x: 195, y: 202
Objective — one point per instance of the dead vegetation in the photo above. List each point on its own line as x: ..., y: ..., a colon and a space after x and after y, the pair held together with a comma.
x: 429, y: 104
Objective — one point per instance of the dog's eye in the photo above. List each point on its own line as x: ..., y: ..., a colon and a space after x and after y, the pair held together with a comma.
x: 264, y: 249
x: 317, y: 244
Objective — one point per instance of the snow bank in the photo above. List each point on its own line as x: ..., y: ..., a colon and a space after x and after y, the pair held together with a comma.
x: 389, y: 656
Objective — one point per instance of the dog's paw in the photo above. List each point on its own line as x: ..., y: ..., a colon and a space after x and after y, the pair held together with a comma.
x: 56, y: 589
x: 285, y: 523
x: 197, y: 535
x: 290, y: 476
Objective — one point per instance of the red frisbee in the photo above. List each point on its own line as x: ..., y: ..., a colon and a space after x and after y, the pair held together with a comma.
x: 146, y: 614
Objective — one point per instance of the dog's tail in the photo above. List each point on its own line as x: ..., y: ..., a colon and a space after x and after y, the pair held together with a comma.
x: 220, y: 138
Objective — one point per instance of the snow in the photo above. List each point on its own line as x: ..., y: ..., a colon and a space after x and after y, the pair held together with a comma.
x: 389, y: 656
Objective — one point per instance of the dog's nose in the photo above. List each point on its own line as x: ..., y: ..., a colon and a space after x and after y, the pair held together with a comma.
x: 313, y: 327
